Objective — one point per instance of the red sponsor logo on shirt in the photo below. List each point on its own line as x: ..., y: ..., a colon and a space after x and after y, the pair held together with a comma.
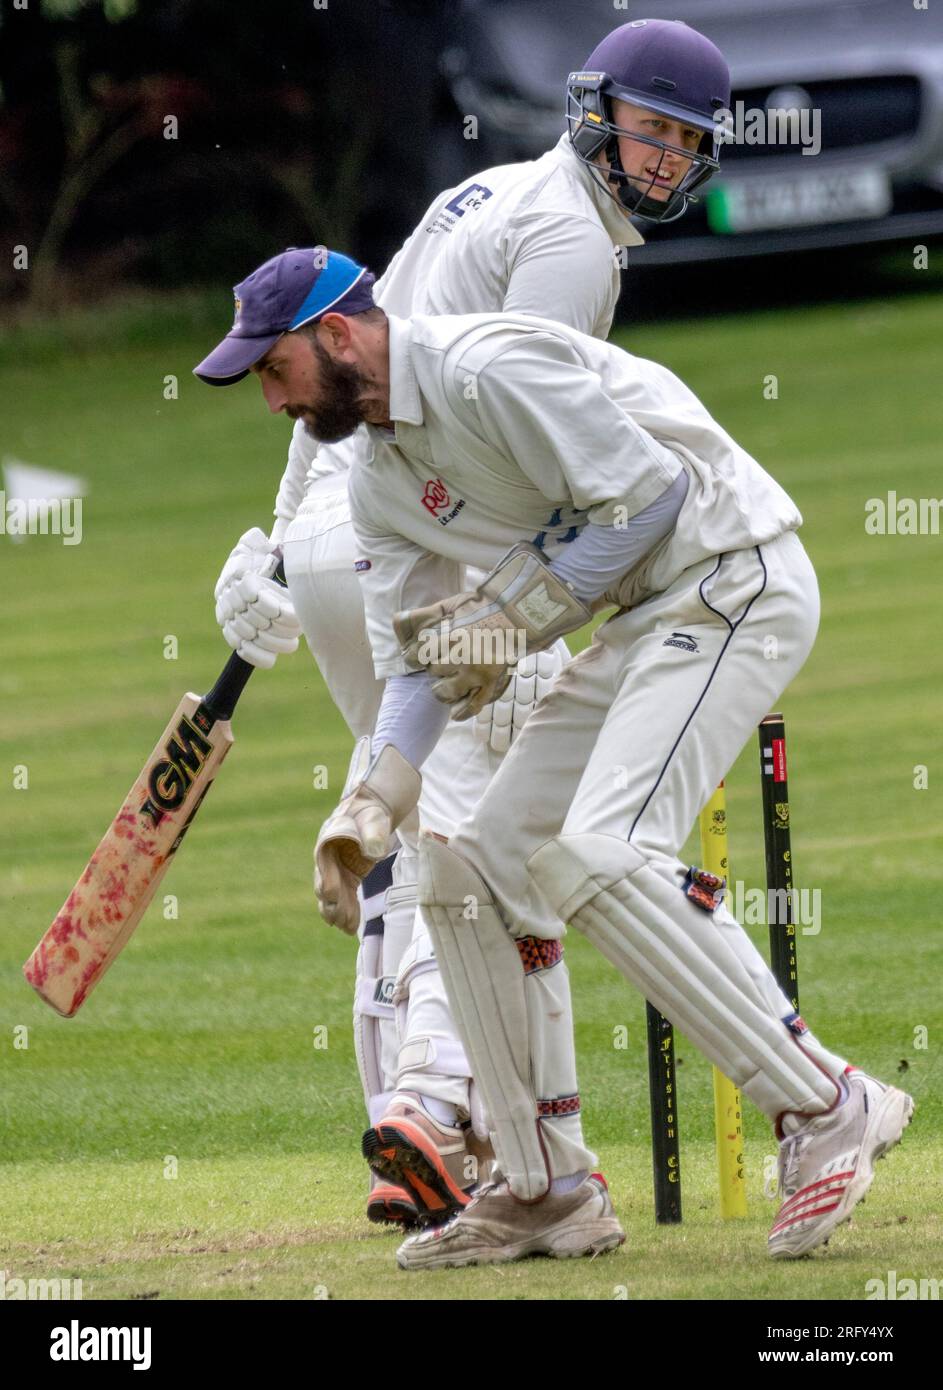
x: 435, y: 496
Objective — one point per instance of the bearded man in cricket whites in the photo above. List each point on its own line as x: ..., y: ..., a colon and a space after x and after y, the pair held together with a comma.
x: 531, y: 238
x: 531, y: 424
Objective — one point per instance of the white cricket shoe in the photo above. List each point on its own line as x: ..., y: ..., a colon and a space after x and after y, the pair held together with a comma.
x: 496, y: 1228
x: 826, y: 1167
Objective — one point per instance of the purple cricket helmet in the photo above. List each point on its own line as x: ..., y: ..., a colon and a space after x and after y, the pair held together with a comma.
x: 663, y: 66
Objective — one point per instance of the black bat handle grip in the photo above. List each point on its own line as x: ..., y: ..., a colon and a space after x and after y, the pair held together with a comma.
x: 231, y: 681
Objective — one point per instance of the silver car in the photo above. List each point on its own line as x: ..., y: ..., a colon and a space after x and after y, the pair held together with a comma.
x: 836, y: 120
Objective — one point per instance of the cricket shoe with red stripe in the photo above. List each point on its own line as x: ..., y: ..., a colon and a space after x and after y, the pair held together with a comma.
x: 390, y: 1205
x: 827, y: 1165
x: 496, y: 1228
x: 428, y: 1159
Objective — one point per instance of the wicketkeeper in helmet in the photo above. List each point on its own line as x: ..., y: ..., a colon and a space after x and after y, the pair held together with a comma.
x: 534, y: 238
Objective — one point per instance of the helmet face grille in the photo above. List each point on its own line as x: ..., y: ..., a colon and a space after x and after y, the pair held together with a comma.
x: 592, y: 131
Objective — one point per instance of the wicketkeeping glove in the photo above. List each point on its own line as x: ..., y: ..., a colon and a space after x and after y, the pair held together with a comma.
x: 377, y: 797
x: 256, y: 615
x: 471, y: 641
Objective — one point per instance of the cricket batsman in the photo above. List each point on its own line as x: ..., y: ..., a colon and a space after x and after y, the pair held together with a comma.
x: 531, y: 238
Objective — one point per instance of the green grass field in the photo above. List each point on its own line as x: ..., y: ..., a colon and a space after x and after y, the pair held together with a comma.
x: 184, y: 1137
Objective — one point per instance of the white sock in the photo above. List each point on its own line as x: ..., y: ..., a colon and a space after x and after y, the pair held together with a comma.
x: 441, y: 1110
x: 795, y: 1121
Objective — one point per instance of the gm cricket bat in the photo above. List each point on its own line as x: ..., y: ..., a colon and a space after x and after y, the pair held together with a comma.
x: 110, y: 898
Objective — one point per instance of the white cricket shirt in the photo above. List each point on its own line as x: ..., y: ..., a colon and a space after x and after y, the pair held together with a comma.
x: 512, y: 427
x: 534, y: 238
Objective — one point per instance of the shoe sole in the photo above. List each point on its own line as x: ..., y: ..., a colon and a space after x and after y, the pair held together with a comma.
x: 401, y: 1153
x: 389, y: 1206
x: 884, y: 1129
x: 598, y: 1244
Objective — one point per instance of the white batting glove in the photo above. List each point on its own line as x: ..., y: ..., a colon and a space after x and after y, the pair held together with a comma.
x: 256, y: 615
x: 250, y: 555
x: 499, y: 723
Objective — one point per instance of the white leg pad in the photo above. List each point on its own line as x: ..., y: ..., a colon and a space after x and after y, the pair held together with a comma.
x: 385, y: 929
x: 673, y: 953
x: 431, y: 1058
x: 765, y: 981
x: 367, y: 1012
x: 485, y: 981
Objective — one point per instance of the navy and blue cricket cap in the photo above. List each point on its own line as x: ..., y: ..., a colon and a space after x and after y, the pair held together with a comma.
x: 297, y: 287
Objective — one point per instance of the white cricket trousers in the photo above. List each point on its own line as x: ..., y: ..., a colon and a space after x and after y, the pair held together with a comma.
x: 630, y: 743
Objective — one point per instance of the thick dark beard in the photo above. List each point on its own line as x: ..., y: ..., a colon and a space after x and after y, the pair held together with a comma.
x: 340, y: 410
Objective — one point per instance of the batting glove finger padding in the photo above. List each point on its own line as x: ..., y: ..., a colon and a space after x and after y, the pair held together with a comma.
x: 256, y: 656
x: 255, y: 612
x: 499, y: 723
x: 270, y: 605
x: 238, y: 630
x: 252, y: 551
x: 279, y: 637
x: 258, y: 619
x: 276, y: 637
x: 224, y: 607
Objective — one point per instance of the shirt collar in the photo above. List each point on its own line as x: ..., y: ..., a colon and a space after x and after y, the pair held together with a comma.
x: 405, y: 400
x: 615, y: 221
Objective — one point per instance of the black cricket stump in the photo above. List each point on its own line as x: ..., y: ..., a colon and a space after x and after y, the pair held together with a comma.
x: 779, y: 876
x: 663, y: 1093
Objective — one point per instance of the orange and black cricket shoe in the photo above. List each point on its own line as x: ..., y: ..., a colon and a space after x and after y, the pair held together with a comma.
x: 391, y: 1205
x: 431, y: 1161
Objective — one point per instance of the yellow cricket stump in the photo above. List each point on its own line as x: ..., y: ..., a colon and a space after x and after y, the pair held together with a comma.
x: 728, y: 1116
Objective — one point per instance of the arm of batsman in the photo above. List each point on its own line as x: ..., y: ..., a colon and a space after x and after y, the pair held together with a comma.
x: 377, y: 797
x: 472, y: 641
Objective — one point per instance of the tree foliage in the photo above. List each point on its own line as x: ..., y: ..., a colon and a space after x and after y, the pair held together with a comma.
x: 177, y: 141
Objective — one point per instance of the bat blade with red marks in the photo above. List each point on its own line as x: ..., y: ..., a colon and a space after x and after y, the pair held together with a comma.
x: 110, y: 898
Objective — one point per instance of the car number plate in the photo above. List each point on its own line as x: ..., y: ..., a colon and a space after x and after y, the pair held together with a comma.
x: 836, y: 195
